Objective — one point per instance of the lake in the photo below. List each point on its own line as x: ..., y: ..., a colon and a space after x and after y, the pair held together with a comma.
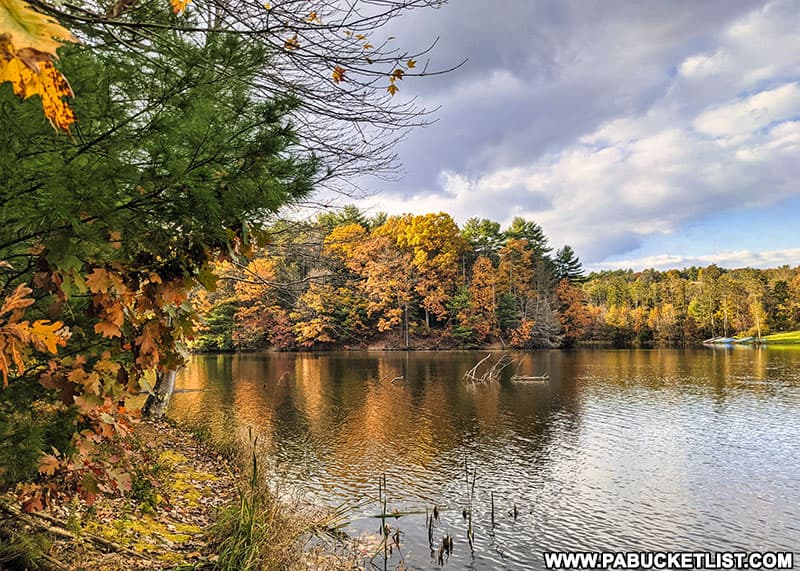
x: 621, y: 450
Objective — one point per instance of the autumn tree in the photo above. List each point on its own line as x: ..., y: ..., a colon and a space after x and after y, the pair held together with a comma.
x: 174, y: 164
x: 434, y: 245
x: 573, y: 314
x: 388, y: 281
x: 475, y: 305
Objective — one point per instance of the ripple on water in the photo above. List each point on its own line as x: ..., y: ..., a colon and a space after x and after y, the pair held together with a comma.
x: 693, y: 450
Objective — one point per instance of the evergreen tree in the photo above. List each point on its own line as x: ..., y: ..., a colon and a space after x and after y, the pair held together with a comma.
x: 530, y: 231
x: 568, y: 266
x: 483, y: 236
x: 174, y: 162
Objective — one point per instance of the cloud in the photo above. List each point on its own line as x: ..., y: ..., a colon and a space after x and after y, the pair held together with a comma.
x: 752, y: 113
x: 613, y: 124
x: 730, y: 259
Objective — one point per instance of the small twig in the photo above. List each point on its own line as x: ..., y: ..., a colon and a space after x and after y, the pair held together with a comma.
x: 57, y: 529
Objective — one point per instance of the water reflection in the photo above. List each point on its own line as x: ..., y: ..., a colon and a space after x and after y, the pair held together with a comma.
x: 660, y: 449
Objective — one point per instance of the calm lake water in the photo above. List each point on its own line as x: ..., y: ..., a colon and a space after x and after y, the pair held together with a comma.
x: 621, y: 450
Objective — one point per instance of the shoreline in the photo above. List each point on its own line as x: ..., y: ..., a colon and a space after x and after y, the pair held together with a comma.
x: 185, y: 511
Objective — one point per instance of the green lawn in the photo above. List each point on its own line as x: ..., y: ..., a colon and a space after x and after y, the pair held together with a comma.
x: 788, y: 338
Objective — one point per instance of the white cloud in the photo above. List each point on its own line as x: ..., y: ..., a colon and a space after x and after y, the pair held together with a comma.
x: 698, y: 66
x: 621, y: 129
x: 758, y: 46
x: 622, y: 183
x: 751, y: 114
x: 730, y: 259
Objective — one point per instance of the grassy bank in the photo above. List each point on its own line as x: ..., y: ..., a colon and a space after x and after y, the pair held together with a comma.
x: 192, y: 506
x: 787, y: 338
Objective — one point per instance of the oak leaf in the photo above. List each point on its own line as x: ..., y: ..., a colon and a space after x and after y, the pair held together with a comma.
x: 98, y: 281
x: 48, y: 336
x: 17, y: 300
x: 28, y: 43
x: 107, y: 329
x: 48, y: 464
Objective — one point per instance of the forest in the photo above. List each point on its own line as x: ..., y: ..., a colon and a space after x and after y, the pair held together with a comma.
x: 347, y: 280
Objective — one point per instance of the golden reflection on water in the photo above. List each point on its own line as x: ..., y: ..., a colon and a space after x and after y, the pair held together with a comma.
x: 657, y: 448
x: 405, y: 401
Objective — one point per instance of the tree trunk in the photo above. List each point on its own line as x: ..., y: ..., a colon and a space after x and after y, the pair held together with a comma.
x: 405, y: 313
x: 157, y: 402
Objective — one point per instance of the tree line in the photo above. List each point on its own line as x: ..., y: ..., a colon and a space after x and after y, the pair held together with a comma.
x: 684, y: 306
x: 346, y: 280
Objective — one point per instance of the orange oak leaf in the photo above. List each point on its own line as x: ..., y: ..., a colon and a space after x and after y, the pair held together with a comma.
x: 17, y: 299
x: 98, y: 281
x: 107, y: 329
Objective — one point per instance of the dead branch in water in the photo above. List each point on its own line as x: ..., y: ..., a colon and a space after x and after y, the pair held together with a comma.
x: 492, y: 373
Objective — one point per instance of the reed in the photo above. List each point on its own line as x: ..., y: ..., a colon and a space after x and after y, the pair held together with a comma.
x: 259, y: 531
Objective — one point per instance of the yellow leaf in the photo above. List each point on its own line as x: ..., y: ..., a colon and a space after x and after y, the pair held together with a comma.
x: 411, y: 64
x: 23, y: 27
x: 392, y: 89
x: 28, y: 43
x: 338, y: 74
x: 368, y: 46
x: 179, y: 6
x: 361, y: 37
x: 268, y: 6
x: 312, y: 17
x: 47, y: 335
x: 43, y: 80
x: 398, y: 73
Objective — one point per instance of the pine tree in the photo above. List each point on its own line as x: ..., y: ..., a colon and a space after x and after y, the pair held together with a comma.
x: 568, y: 266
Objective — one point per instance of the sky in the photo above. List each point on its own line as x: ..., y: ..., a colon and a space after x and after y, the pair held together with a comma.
x: 642, y: 134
